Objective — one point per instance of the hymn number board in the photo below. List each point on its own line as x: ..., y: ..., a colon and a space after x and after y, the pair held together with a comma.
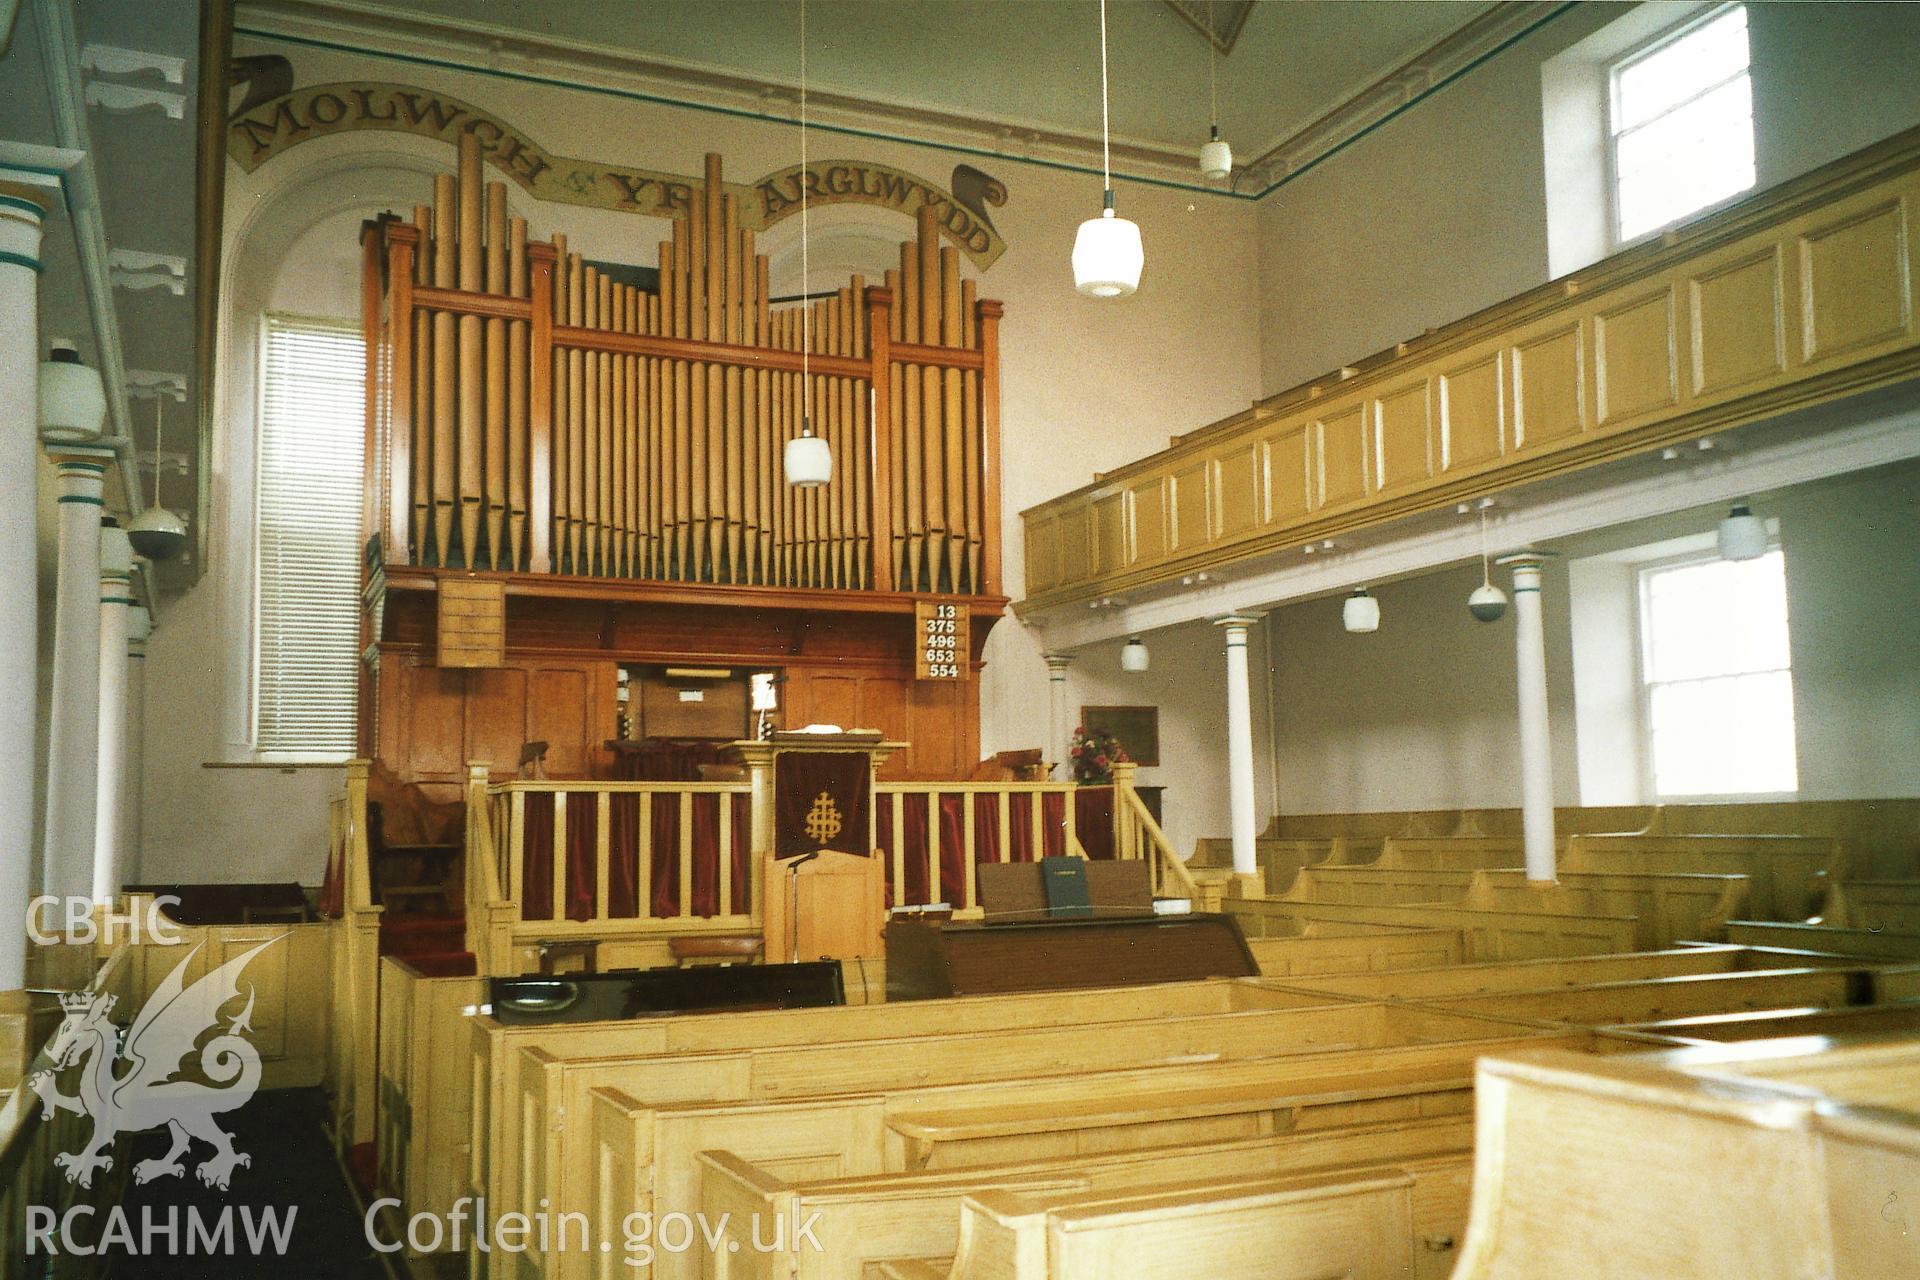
x: 938, y: 632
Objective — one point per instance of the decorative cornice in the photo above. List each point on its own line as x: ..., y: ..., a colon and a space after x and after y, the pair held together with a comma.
x: 357, y: 27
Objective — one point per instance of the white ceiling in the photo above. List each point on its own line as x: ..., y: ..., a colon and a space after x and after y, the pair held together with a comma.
x: 1031, y: 67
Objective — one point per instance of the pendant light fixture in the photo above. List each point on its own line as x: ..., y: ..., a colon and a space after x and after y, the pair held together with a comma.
x: 1134, y: 656
x: 1107, y: 256
x: 157, y: 533
x: 1742, y: 535
x: 1487, y: 603
x: 1360, y: 614
x: 1216, y: 157
x: 73, y: 402
x: 808, y: 458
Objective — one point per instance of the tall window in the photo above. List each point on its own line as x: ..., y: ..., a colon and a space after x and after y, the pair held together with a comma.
x: 312, y: 424
x: 1719, y: 678
x: 1682, y: 124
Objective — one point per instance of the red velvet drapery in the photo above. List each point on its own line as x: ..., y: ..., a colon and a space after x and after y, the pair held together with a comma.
x: 623, y: 856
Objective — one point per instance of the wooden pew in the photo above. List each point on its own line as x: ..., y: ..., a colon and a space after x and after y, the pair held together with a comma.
x: 862, y: 1221
x: 1334, y: 948
x: 1880, y: 943
x: 1452, y: 853
x: 648, y: 1155
x: 1697, y: 1163
x: 1787, y: 875
x: 1376, y: 885
x: 1668, y: 908
x: 1891, y: 905
x: 1539, y: 975
x: 491, y: 1084
x: 1353, y: 1223
x: 1612, y: 1003
x: 1530, y: 931
x: 1900, y: 1017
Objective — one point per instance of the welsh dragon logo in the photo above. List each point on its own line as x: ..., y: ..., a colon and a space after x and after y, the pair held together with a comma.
x: 132, y: 1087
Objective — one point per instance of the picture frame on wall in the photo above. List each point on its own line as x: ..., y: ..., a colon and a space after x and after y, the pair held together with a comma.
x: 1137, y: 728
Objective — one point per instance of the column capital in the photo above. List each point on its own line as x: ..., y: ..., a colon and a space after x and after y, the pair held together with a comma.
x: 1528, y: 559
x: 1242, y: 621
x: 1057, y: 663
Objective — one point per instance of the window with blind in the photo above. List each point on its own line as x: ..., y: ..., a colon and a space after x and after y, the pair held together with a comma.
x: 307, y: 571
x: 1682, y: 124
x: 1719, y: 677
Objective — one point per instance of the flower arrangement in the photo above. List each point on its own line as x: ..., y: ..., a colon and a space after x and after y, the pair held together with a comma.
x: 1094, y: 755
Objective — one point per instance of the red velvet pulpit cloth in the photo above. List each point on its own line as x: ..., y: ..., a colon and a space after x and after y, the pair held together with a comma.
x: 821, y: 800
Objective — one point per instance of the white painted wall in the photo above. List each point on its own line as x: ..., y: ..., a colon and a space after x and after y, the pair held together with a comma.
x: 1442, y: 211
x: 1085, y: 384
x: 1422, y: 714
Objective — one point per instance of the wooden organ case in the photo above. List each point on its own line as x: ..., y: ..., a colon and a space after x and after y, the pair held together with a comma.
x: 611, y: 457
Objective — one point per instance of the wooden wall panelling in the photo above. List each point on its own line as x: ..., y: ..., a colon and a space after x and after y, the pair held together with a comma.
x: 1340, y: 443
x: 1109, y: 532
x: 1552, y: 398
x: 1189, y: 523
x: 1472, y: 411
x: 1236, y: 495
x: 1855, y: 268
x: 1737, y: 320
x: 1402, y: 436
x: 1636, y: 358
x: 1147, y: 520
x: 1290, y: 475
x: 1076, y: 545
x: 1043, y: 555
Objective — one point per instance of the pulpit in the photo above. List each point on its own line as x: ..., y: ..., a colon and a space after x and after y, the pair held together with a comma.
x: 814, y: 837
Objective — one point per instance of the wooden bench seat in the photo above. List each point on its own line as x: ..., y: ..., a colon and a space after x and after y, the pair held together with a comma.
x: 1902, y: 1017
x: 1696, y: 1163
x: 1356, y: 1223
x: 647, y: 1155
x: 1880, y: 943
x: 1439, y: 982
x: 898, y: 1218
x: 1325, y: 948
x: 1065, y: 1064
x: 1611, y: 1003
x: 1527, y: 931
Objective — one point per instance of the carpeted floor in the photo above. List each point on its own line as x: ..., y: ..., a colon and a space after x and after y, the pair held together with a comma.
x: 292, y: 1169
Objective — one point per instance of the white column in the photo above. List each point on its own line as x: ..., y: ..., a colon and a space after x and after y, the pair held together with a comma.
x: 116, y: 598
x: 73, y: 739
x: 1246, y: 859
x: 21, y: 212
x: 1536, y: 744
x: 1059, y: 712
x: 139, y: 627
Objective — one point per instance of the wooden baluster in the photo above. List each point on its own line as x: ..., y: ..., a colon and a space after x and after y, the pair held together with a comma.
x: 446, y: 371
x: 933, y: 846
x: 560, y: 854
x: 686, y: 853
x: 723, y: 903
x: 517, y: 340
x: 970, y: 866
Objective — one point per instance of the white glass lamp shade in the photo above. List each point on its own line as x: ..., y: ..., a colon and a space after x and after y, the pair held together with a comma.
x: 809, y: 462
x: 157, y: 534
x: 73, y: 403
x: 1134, y: 656
x: 1361, y: 612
x: 1216, y: 157
x: 1107, y: 256
x: 1743, y: 535
x: 1488, y: 603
